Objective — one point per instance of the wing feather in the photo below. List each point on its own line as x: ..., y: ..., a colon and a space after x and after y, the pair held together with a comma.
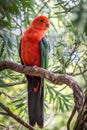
x: 44, y: 46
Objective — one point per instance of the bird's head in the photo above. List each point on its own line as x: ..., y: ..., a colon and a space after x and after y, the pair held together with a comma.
x: 41, y: 23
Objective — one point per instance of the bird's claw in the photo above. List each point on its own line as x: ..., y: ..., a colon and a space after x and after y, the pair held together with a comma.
x: 24, y: 66
x: 30, y: 70
x: 33, y: 67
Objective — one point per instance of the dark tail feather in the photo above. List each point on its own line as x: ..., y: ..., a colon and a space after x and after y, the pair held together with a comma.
x: 35, y: 100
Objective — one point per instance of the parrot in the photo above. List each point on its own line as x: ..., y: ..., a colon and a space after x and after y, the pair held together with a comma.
x: 34, y: 49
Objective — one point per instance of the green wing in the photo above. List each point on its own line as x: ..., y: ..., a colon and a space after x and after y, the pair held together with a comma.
x: 45, y: 47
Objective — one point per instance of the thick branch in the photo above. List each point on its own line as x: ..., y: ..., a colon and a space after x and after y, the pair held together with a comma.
x: 55, y: 78
x: 81, y: 123
x: 18, y: 119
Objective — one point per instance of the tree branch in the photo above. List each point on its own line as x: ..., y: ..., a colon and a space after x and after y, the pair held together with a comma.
x: 81, y: 122
x: 70, y: 118
x: 79, y: 73
x: 55, y: 78
x: 76, y: 74
x: 18, y: 119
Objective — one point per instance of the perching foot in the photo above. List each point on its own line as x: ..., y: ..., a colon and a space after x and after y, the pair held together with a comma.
x: 33, y: 67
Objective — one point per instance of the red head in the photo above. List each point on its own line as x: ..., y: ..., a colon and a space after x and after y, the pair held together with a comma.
x: 41, y: 23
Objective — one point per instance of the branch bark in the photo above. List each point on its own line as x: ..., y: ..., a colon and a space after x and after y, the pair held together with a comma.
x: 81, y: 122
x: 55, y: 78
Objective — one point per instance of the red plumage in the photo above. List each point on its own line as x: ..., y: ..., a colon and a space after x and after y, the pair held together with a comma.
x: 31, y: 55
x: 30, y: 44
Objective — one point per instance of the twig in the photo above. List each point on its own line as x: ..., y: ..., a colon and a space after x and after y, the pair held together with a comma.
x: 43, y: 7
x: 12, y: 97
x: 16, y: 83
x: 4, y: 113
x: 18, y: 25
x: 76, y: 74
x: 18, y: 119
x: 6, y: 85
x: 74, y: 49
x: 1, y: 125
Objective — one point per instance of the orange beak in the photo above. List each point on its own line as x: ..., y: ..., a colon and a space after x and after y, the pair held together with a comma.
x: 47, y: 25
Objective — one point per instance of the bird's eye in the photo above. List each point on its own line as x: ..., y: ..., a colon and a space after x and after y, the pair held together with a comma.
x: 41, y: 20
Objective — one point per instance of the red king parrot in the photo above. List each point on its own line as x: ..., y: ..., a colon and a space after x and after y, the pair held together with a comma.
x: 33, y: 51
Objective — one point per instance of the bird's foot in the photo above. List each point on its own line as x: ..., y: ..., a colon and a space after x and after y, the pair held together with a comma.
x: 33, y: 67
x: 24, y: 66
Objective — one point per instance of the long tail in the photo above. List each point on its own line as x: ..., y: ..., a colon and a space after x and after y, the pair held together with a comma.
x: 35, y: 100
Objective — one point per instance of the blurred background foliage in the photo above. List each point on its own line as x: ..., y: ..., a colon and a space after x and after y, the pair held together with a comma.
x: 67, y: 36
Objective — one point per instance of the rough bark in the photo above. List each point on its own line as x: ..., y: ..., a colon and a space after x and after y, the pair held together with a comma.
x: 54, y: 78
x: 81, y: 123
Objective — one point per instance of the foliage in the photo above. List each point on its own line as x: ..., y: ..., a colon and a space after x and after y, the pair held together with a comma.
x: 68, y: 54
